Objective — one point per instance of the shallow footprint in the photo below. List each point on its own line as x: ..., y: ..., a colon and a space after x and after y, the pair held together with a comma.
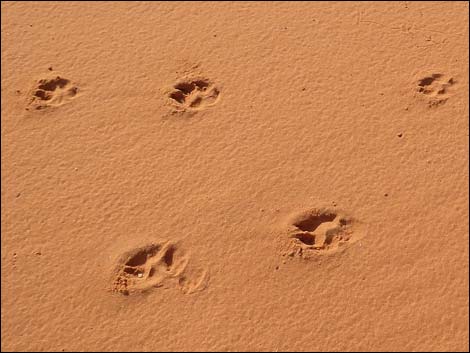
x: 436, y: 88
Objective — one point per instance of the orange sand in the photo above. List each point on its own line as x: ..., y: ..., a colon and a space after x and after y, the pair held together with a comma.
x: 235, y: 176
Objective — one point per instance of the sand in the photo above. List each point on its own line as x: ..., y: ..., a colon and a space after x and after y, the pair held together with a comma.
x: 235, y: 176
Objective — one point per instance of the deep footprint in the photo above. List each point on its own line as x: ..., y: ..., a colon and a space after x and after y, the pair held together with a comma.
x: 319, y: 232
x: 193, y: 94
x: 52, y: 92
x: 153, y: 266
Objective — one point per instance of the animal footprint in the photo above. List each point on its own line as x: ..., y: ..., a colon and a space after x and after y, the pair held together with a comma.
x: 154, y: 266
x: 194, y: 95
x: 52, y: 92
x: 319, y: 232
x: 436, y: 88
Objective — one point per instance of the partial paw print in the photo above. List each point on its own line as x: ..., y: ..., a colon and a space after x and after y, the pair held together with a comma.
x: 194, y: 94
x: 319, y: 232
x: 157, y: 265
x: 52, y: 92
x: 436, y: 88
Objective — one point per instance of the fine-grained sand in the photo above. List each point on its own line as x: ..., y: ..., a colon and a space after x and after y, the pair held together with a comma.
x: 235, y: 176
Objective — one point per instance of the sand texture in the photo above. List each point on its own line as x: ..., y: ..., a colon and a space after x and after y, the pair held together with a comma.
x: 235, y: 176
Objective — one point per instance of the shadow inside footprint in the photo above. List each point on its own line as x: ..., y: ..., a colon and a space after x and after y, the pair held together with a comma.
x: 310, y: 222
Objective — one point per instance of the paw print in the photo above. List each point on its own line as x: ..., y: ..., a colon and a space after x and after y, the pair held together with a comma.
x: 436, y: 88
x: 52, y: 92
x: 157, y: 265
x: 318, y: 232
x: 193, y: 95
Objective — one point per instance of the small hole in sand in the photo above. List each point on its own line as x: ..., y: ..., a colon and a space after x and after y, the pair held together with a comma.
x: 169, y: 255
x: 51, y: 85
x: 178, y: 96
x: 185, y: 87
x: 196, y: 103
x: 306, y: 238
x: 311, y: 221
x: 138, y: 259
x: 201, y: 84
x: 43, y: 95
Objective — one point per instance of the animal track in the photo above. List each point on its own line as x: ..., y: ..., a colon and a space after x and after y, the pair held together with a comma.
x: 157, y: 265
x: 193, y: 95
x: 52, y: 92
x: 318, y: 232
x: 436, y: 88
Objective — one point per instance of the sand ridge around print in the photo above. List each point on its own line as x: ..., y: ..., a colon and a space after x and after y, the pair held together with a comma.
x: 231, y: 176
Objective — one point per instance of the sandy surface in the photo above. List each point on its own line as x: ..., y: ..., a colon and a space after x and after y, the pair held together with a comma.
x: 235, y: 176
